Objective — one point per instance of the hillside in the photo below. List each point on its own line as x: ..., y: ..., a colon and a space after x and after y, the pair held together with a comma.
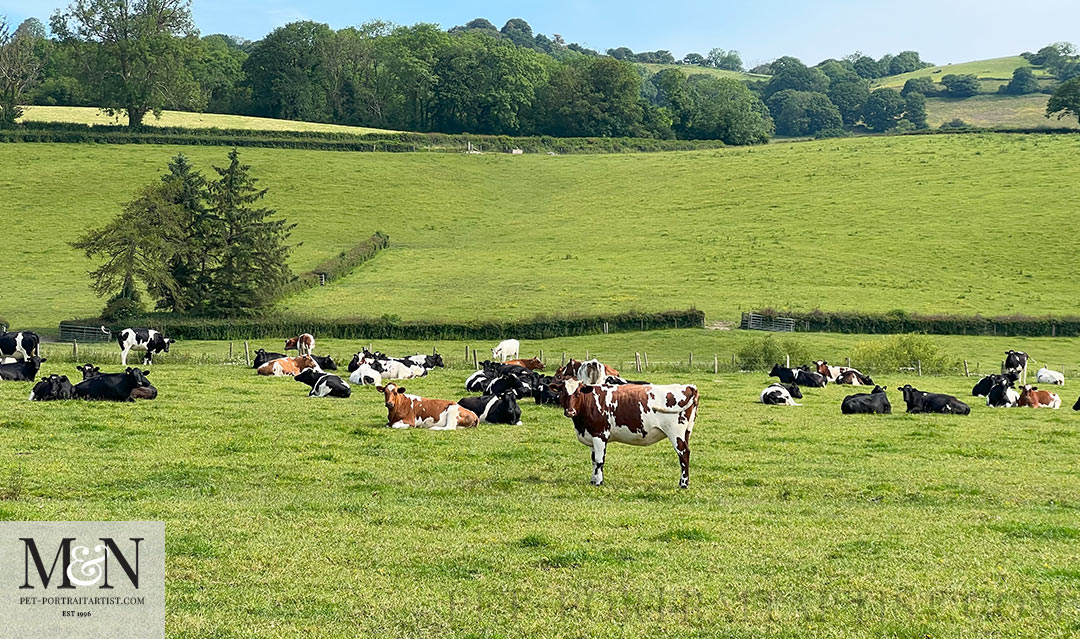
x: 93, y: 115
x: 805, y: 226
x: 690, y: 69
x: 1002, y: 111
x: 993, y: 72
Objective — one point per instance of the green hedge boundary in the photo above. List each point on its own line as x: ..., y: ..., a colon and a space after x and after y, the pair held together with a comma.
x: 366, y: 328
x: 895, y: 322
x: 62, y: 132
x: 338, y: 266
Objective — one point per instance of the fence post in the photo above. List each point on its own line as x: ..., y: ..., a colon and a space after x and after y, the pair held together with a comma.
x: 230, y: 351
x: 466, y: 353
x: 645, y: 354
x: 75, y: 349
x: 247, y: 355
x: 541, y: 358
x: 563, y: 359
x: 587, y: 357
x: 966, y: 373
x: 691, y: 364
x: 637, y: 362
x: 733, y: 364
x: 848, y: 360
x: 476, y: 366
x: 787, y: 361
x: 919, y: 362
x: 715, y: 364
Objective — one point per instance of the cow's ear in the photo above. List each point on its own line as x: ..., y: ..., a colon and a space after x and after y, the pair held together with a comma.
x: 128, y: 370
x: 401, y: 389
x: 63, y: 378
x: 44, y: 359
x: 381, y: 389
x: 172, y: 341
x: 146, y: 372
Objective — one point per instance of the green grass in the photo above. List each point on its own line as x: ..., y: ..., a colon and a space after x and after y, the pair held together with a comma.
x: 999, y: 70
x: 1019, y: 111
x: 925, y: 224
x: 292, y: 517
x: 93, y: 115
x: 690, y: 69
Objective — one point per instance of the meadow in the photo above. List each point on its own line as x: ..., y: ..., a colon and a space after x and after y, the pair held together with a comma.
x: 287, y: 516
x: 1005, y: 111
x: 998, y: 70
x: 923, y: 223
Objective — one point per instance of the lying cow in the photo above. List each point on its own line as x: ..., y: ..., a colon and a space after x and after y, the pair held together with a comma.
x: 22, y: 371
x: 1002, y: 394
x: 631, y: 414
x: 288, y: 366
x: 19, y: 345
x: 324, y: 384
x: 801, y: 376
x: 533, y: 364
x: 427, y: 361
x: 1047, y: 376
x: 876, y: 402
x: 140, y: 339
x: 112, y: 387
x: 90, y: 371
x: 410, y: 411
x: 1032, y: 397
x: 364, y: 375
x: 262, y: 357
x: 326, y: 363
x: 507, y: 349
x: 547, y: 390
x: 303, y: 344
x: 494, y: 409
x: 842, y: 374
x: 612, y: 380
x: 781, y: 395
x: 922, y: 402
x: 52, y: 388
x: 983, y: 386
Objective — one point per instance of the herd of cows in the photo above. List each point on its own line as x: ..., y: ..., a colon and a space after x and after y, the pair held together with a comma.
x: 603, y: 406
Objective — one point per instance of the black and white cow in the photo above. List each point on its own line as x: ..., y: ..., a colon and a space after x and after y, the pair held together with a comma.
x: 113, y: 387
x: 802, y: 376
x: 427, y: 361
x: 922, y: 402
x: 20, y: 345
x: 1016, y: 362
x: 263, y: 357
x: 494, y: 409
x: 324, y: 384
x: 89, y: 371
x: 876, y: 402
x: 1002, y: 394
x: 24, y: 371
x: 547, y: 390
x: 781, y: 395
x: 614, y: 380
x: 983, y: 386
x: 141, y: 339
x: 52, y: 388
x: 326, y: 363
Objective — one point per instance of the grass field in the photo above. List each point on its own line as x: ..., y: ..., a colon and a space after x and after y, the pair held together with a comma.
x: 93, y: 115
x: 690, y: 69
x: 1021, y: 111
x: 925, y: 223
x: 996, y: 69
x: 291, y: 517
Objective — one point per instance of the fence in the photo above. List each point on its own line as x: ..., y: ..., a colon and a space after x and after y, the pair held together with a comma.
x: 756, y: 322
x: 83, y: 334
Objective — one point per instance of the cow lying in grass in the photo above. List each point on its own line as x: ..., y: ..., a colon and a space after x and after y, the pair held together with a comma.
x: 324, y: 384
x: 22, y: 371
x: 411, y: 411
x: 89, y: 371
x: 494, y: 409
x: 52, y: 388
x: 876, y: 402
x: 922, y: 402
x: 802, y: 376
x: 1032, y: 397
x: 112, y: 387
x: 781, y: 395
x: 288, y: 366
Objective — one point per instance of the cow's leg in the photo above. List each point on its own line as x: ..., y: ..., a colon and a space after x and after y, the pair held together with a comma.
x: 681, y: 443
x: 148, y: 359
x: 123, y: 356
x: 599, y: 451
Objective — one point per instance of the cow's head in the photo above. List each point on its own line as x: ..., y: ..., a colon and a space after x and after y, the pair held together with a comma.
x: 138, y: 377
x: 328, y: 363
x: 908, y: 391
x: 394, y: 395
x: 436, y: 360
x: 307, y: 376
x: 879, y: 390
x: 511, y: 406
x: 167, y: 340
x: 822, y: 367
x: 88, y: 371
x: 36, y: 362
x: 572, y: 396
x: 793, y: 390
x: 307, y: 361
x: 290, y: 344
x: 775, y: 372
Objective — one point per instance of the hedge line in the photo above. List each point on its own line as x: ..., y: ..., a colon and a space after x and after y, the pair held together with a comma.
x: 367, y: 328
x: 340, y: 265
x: 58, y: 132
x: 896, y: 322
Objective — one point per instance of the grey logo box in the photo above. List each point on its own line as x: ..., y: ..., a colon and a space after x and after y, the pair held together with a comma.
x: 82, y: 580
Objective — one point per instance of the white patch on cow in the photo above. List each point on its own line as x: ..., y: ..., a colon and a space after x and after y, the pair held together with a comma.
x: 448, y: 420
x: 591, y: 372
x: 1055, y: 402
x: 8, y: 360
x: 487, y: 409
x: 31, y: 395
x: 366, y: 376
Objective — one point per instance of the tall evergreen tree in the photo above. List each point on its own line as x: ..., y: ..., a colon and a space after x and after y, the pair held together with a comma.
x: 195, y: 244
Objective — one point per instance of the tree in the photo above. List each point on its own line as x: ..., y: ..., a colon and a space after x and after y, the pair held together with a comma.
x: 621, y: 53
x: 803, y: 112
x: 884, y: 108
x: 20, y: 70
x: 1065, y: 100
x: 727, y: 60
x: 905, y: 62
x: 134, y: 59
x: 869, y: 68
x: 923, y: 85
x: 725, y: 109
x: 1023, y: 81
x: 695, y: 59
x: 838, y: 71
x: 790, y: 73
x: 519, y: 32
x: 287, y: 72
x: 915, y: 110
x: 961, y: 86
x: 850, y: 98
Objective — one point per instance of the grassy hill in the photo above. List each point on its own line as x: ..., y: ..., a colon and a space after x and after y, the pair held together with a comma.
x: 690, y: 69
x: 926, y: 223
x: 992, y: 72
x: 93, y: 115
x: 1019, y: 111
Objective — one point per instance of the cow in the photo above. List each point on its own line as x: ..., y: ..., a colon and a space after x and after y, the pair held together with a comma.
x: 533, y: 364
x: 1016, y: 362
x: 852, y: 377
x: 494, y: 409
x: 612, y: 380
x: 395, y: 369
x: 806, y: 377
x: 20, y: 344
x: 303, y: 344
x: 591, y: 372
x: 52, y: 388
x: 547, y: 390
x: 876, y: 402
x: 410, y: 411
x: 1032, y: 397
x: 830, y: 372
x: 89, y: 371
x: 1002, y: 394
x: 1047, y: 376
x: 781, y: 395
x: 631, y: 414
x: 427, y: 361
x: 1076, y: 406
x: 262, y: 357
x: 288, y: 366
x: 785, y: 375
x: 113, y: 387
x: 22, y: 371
x: 326, y: 363
x: 140, y: 339
x: 478, y: 381
x: 365, y: 375
x: 324, y: 384
x: 507, y: 349
x: 573, y: 368
x: 922, y: 402
x: 507, y: 383
x: 983, y: 386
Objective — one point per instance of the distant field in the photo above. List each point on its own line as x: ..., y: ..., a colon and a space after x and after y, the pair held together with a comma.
x: 690, y: 69
x: 994, y: 71
x: 93, y: 115
x: 1021, y: 111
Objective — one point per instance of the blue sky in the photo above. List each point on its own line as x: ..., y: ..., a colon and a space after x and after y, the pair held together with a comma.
x: 942, y: 30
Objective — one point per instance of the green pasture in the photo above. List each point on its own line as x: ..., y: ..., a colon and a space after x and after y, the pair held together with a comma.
x: 292, y: 517
x: 997, y: 69
x: 1005, y: 111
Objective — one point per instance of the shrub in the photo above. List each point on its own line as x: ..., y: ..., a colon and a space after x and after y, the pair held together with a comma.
x: 760, y: 353
x: 904, y: 126
x: 340, y: 265
x: 834, y: 132
x: 961, y: 86
x: 896, y: 322
x: 890, y: 354
x: 121, y: 307
x: 955, y: 124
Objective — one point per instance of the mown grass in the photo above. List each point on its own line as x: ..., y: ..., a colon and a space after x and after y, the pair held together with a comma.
x: 925, y: 224
x: 1004, y: 111
x: 996, y: 69
x: 294, y: 517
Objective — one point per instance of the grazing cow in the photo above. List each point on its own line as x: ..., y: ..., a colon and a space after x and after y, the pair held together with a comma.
x: 494, y: 409
x: 1002, y: 394
x: 410, y: 411
x: 1032, y: 397
x: 52, y: 388
x: 983, y: 386
x: 876, y: 402
x: 1016, y: 362
x: 365, y: 375
x: 1047, y: 376
x: 922, y: 402
x: 262, y: 357
x: 303, y: 344
x: 631, y: 414
x: 140, y: 339
x: 23, y: 371
x: 324, y: 384
x: 781, y: 395
x: 288, y: 366
x: 113, y: 387
x: 507, y: 349
x: 22, y: 345
x: 533, y: 364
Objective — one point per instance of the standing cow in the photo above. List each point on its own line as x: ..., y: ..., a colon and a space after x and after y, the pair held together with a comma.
x: 1016, y: 362
x: 304, y: 344
x: 140, y: 339
x: 21, y: 344
x: 507, y: 349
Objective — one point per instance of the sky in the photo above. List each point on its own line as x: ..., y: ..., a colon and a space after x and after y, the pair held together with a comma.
x: 943, y: 31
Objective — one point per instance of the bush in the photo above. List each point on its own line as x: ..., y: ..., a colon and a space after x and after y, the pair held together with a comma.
x: 904, y: 126
x: 896, y: 352
x: 923, y: 85
x: 834, y: 132
x: 123, y: 307
x: 895, y: 322
x: 760, y: 353
x: 339, y: 266
x: 955, y: 124
x: 961, y: 86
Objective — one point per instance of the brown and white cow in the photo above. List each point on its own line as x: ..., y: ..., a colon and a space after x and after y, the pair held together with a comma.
x: 842, y: 374
x: 589, y: 372
x: 1032, y: 397
x: 303, y: 344
x: 533, y: 364
x: 288, y: 366
x: 410, y: 411
x: 631, y: 414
